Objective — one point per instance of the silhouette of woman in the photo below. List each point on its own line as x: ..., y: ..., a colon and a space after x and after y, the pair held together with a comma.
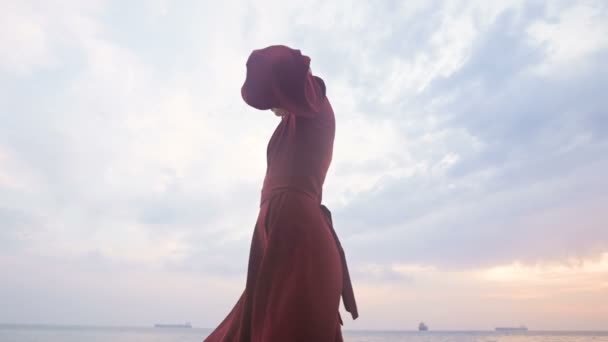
x: 297, y: 270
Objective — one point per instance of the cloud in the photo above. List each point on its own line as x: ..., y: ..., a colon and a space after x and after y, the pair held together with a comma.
x: 471, y: 135
x: 539, y: 294
x: 506, y: 145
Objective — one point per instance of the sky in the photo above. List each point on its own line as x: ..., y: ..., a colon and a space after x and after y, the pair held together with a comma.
x: 467, y: 186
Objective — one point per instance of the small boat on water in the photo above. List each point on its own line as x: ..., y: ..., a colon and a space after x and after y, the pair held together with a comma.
x: 422, y: 327
x: 512, y: 329
x: 186, y: 325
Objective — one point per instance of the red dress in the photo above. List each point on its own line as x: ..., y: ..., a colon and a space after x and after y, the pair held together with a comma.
x: 297, y: 271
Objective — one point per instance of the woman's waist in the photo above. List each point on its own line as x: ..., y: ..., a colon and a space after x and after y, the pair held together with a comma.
x: 271, y: 190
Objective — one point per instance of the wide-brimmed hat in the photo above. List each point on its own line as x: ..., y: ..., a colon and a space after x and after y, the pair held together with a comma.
x: 279, y: 77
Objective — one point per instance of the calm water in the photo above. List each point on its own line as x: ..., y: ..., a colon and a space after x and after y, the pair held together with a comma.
x: 11, y: 333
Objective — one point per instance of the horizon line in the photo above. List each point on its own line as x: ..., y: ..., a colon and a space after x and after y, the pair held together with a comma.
x: 151, y: 326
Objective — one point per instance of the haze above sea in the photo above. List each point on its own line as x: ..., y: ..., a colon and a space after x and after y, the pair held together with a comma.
x: 48, y: 333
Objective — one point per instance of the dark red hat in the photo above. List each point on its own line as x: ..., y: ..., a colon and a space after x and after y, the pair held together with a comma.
x: 279, y: 77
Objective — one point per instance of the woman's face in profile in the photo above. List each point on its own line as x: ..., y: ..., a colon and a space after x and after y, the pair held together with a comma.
x: 281, y: 111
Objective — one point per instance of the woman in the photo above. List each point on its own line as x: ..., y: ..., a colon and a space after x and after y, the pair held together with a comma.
x: 297, y: 270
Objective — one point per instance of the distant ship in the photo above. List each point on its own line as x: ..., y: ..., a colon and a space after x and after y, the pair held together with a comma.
x: 422, y: 327
x: 512, y: 329
x: 186, y: 325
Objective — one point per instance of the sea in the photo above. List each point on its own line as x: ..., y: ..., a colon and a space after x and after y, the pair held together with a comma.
x: 41, y: 333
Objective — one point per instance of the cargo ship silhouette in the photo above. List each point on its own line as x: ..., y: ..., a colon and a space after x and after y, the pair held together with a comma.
x: 185, y: 325
x: 512, y: 329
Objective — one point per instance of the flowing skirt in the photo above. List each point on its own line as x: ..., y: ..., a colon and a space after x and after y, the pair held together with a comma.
x: 294, y: 278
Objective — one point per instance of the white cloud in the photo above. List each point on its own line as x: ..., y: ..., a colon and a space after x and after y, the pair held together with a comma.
x: 127, y: 146
x: 575, y: 32
x: 24, y: 41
